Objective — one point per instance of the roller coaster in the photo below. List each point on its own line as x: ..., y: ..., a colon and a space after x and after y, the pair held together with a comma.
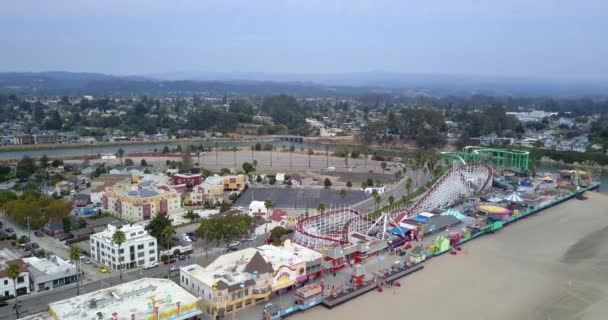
x: 336, y: 227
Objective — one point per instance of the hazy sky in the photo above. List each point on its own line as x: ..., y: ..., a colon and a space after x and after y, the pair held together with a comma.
x: 532, y: 38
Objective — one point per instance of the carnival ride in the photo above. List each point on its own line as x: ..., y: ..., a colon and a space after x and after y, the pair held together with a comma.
x: 499, y: 158
x: 337, y: 227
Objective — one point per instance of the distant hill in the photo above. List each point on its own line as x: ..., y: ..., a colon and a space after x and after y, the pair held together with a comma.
x: 303, y: 85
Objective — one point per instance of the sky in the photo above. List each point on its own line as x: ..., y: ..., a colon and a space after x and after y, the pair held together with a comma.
x: 549, y: 39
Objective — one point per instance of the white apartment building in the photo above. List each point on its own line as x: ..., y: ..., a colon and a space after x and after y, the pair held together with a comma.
x: 138, y: 250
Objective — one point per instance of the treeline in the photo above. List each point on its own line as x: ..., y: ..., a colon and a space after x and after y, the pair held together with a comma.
x: 32, y: 207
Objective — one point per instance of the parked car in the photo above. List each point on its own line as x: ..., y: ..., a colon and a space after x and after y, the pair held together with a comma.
x: 9, y: 231
x: 103, y: 270
x: 3, y: 304
x: 289, y: 231
x: 38, y: 234
x: 86, y: 260
x: 173, y: 268
x: 234, y: 244
x: 169, y: 261
x: 151, y: 265
x: 25, y: 239
x: 35, y: 246
x: 186, y: 239
x: 233, y: 249
x: 182, y: 257
x: 268, y: 241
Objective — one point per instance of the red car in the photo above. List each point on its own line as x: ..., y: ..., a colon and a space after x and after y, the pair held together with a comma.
x: 268, y: 241
x: 169, y: 261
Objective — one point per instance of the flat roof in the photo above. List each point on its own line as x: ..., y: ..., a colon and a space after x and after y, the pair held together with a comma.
x: 49, y: 266
x: 131, y: 298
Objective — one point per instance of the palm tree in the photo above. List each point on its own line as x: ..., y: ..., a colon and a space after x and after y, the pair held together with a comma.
x: 234, y: 150
x: 118, y: 238
x: 391, y: 199
x: 206, y: 232
x: 310, y: 153
x: 121, y: 153
x: 408, y: 185
x: 365, y: 154
x: 217, y: 161
x: 271, y: 147
x: 377, y: 199
x: 13, y: 271
x: 321, y: 207
x: 346, y: 152
x: 291, y: 150
x: 269, y: 205
x: 252, y: 150
x: 166, y: 235
x: 192, y: 216
x: 75, y: 254
x: 343, y: 193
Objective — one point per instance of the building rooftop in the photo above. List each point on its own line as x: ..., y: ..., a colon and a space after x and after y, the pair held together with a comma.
x: 49, y: 266
x: 132, y: 298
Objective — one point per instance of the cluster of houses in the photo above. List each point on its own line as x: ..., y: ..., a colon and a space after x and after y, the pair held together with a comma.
x: 546, y: 139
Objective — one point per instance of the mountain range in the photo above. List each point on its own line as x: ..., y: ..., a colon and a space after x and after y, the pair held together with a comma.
x: 252, y: 83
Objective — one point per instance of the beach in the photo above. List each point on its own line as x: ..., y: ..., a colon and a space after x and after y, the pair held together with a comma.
x: 551, y: 265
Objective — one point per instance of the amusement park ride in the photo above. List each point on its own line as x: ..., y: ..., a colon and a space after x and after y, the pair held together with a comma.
x: 470, y: 172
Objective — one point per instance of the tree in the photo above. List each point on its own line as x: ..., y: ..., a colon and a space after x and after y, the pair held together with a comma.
x: 143, y: 163
x: 310, y: 153
x: 67, y: 224
x: 255, y: 164
x: 166, y: 235
x: 192, y: 216
x: 269, y: 205
x: 363, y: 184
x: 343, y: 193
x: 408, y: 185
x: 398, y: 175
x: 276, y: 233
x: 248, y: 167
x: 56, y: 163
x: 383, y: 165
x: 321, y: 207
x: 44, y: 161
x: 365, y: 154
x: 156, y: 226
x: 13, y: 271
x: 165, y: 149
x: 75, y: 254
x: 391, y: 199
x: 129, y: 162
x: 118, y: 238
x: 120, y: 154
x: 327, y: 183
x: 207, y: 231
x: 377, y: 199
x: 349, y: 184
x: 25, y: 168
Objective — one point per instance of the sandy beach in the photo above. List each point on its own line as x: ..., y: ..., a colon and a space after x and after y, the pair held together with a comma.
x: 553, y: 265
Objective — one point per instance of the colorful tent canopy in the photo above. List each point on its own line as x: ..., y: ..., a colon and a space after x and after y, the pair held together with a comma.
x: 495, y: 200
x: 493, y: 209
x: 426, y: 214
x: 399, y: 231
x: 514, y: 198
x: 420, y: 219
x: 454, y: 213
x: 407, y: 226
x: 547, y: 178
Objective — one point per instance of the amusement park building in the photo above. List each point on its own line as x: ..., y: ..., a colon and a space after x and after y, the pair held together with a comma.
x: 239, y: 279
